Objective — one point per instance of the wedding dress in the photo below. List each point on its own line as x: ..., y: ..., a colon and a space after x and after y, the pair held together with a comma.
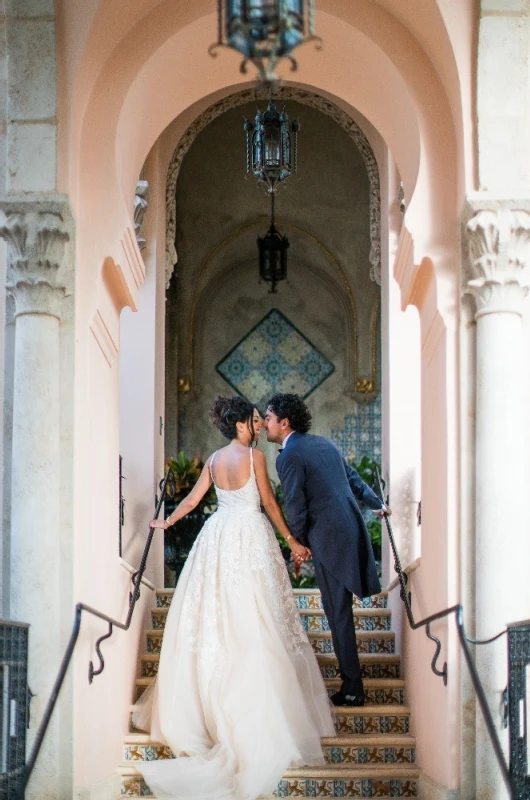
x: 239, y: 697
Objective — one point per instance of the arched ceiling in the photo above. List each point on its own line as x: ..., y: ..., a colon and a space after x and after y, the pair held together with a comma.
x: 133, y: 69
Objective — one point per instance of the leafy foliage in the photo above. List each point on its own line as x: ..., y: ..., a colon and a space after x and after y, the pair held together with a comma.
x: 185, y: 472
x: 366, y: 471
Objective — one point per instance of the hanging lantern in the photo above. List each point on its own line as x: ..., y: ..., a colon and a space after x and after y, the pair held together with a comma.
x: 265, y: 31
x: 272, y: 152
x: 272, y: 250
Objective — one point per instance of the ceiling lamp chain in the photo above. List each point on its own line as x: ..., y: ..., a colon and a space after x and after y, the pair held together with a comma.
x: 272, y: 250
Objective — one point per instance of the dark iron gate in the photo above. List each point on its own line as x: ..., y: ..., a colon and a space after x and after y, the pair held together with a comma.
x: 13, y: 705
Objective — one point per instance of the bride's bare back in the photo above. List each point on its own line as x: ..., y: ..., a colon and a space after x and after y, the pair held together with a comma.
x: 230, y: 467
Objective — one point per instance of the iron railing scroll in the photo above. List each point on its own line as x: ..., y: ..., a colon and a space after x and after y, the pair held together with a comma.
x: 134, y: 595
x: 465, y: 641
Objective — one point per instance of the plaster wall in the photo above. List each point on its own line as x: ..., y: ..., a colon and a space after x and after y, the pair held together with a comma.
x: 141, y: 415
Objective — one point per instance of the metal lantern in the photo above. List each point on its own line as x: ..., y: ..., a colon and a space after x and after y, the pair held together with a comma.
x: 273, y: 254
x: 265, y: 31
x: 272, y: 146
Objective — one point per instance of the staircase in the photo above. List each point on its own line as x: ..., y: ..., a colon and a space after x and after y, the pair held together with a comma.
x: 372, y: 755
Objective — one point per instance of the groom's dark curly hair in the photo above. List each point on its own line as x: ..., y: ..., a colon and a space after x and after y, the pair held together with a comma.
x: 293, y: 408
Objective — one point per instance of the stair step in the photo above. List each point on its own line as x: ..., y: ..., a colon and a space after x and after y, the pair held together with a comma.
x: 313, y: 620
x: 338, y: 750
x: 367, y: 642
x: 373, y: 665
x: 379, y: 691
x: 382, y: 780
x: 305, y: 598
x: 371, y: 719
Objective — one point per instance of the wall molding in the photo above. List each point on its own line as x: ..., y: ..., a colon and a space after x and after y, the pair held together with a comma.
x: 104, y: 338
x: 433, y: 337
x: 405, y: 270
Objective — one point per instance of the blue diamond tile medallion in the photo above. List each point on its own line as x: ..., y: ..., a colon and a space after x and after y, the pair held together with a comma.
x: 274, y: 357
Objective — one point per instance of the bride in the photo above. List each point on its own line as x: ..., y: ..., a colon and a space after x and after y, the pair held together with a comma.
x: 239, y: 697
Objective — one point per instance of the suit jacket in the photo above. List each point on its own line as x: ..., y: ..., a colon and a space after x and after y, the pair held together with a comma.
x: 320, y: 491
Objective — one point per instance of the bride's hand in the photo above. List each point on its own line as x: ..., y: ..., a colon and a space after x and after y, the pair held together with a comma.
x: 300, y: 553
x: 159, y: 523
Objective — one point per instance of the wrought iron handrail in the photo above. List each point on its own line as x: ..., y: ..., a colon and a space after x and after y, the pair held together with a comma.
x: 134, y: 596
x: 458, y: 611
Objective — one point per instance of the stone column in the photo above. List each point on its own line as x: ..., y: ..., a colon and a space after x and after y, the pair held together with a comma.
x: 37, y: 235
x: 499, y: 247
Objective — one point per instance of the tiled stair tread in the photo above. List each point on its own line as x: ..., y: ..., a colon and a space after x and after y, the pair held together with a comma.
x: 369, y: 683
x: 162, y: 611
x: 296, y: 592
x: 367, y: 658
x: 358, y: 771
x: 322, y: 658
x: 372, y: 711
x: 388, y: 710
x: 359, y: 634
x: 341, y: 740
x: 376, y: 771
x: 158, y: 632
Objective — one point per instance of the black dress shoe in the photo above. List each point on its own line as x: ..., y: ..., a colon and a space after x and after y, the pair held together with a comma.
x: 341, y: 699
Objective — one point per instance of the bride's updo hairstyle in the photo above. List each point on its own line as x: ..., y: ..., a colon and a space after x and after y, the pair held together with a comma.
x: 228, y: 411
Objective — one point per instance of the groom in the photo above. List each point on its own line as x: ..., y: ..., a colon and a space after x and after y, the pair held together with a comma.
x: 320, y: 491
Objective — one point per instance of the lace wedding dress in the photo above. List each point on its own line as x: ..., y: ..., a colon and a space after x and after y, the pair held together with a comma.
x: 239, y: 697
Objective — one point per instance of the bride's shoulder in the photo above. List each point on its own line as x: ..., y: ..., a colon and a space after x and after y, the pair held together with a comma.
x: 259, y: 456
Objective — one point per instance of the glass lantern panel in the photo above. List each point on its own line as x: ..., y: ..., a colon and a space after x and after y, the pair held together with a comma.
x: 272, y: 146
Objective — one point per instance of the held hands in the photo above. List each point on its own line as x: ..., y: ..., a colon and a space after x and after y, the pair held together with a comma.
x: 386, y: 511
x: 300, y: 553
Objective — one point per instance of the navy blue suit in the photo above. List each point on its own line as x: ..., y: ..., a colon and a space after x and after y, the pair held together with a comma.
x: 320, y: 491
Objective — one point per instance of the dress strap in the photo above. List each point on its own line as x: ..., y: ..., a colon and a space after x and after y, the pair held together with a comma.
x: 211, y: 465
x: 251, y: 460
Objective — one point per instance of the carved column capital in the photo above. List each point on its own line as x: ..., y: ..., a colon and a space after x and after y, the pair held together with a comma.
x: 141, y: 202
x: 37, y: 235
x: 499, y: 255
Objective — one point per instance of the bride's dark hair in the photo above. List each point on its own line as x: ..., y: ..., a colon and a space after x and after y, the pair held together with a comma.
x: 228, y: 411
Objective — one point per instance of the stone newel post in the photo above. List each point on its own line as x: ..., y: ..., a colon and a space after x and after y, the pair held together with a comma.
x: 499, y: 247
x: 37, y: 235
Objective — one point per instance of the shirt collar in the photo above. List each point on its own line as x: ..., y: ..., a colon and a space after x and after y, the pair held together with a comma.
x: 286, y: 439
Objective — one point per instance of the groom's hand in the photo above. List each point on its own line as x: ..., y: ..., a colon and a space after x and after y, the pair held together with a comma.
x: 385, y: 511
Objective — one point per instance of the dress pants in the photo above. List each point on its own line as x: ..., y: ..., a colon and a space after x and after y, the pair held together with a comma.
x: 338, y: 605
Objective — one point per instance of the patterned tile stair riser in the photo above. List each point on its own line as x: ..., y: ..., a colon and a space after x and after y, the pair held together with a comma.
x: 361, y: 749
x: 305, y: 598
x: 376, y: 692
x: 313, y: 620
x: 373, y: 665
x: 355, y: 782
x: 367, y: 642
x: 372, y: 753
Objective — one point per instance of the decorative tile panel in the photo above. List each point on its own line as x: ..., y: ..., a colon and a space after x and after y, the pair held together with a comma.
x: 274, y: 357
x: 314, y: 600
x: 361, y: 435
